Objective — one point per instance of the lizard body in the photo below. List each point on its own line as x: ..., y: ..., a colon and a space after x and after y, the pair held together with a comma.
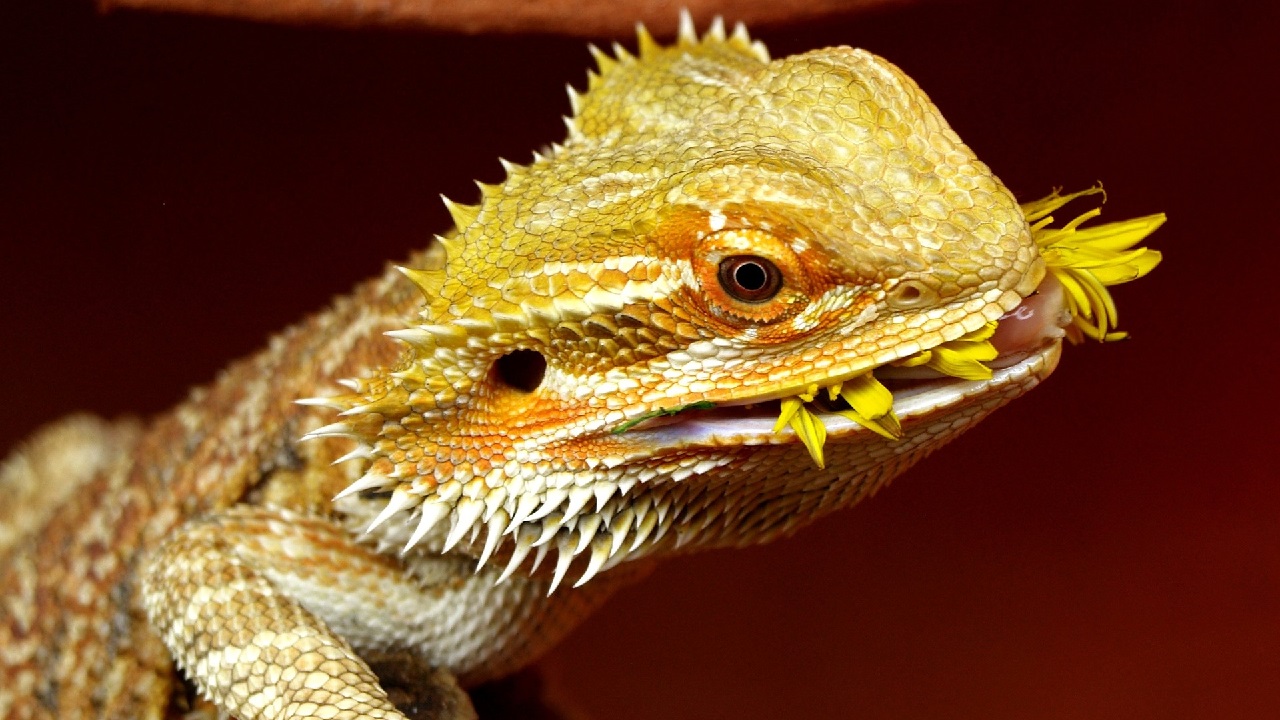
x: 592, y: 379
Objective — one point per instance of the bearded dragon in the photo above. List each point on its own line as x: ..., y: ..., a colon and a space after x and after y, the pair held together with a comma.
x: 584, y: 375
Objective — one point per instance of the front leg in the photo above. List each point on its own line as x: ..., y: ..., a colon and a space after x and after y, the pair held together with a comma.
x: 266, y: 610
x: 248, y: 603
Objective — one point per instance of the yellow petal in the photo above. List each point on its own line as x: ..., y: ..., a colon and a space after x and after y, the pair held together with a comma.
x: 872, y: 405
x: 964, y: 356
x: 921, y: 358
x: 1077, y: 300
x: 790, y: 407
x: 1131, y: 269
x: 811, y: 432
x: 1037, y: 209
x: 867, y: 396
x: 1121, y: 235
x: 961, y: 364
x: 887, y: 425
x: 983, y: 333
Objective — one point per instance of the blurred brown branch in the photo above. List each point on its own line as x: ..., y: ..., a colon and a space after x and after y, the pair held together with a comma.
x: 569, y: 17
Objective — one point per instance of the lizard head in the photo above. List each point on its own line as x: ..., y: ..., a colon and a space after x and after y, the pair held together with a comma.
x: 608, y: 334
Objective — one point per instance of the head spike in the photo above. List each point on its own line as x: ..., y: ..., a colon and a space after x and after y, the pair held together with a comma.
x: 468, y: 512
x: 648, y: 46
x: 330, y: 403
x: 508, y: 167
x: 578, y: 497
x: 599, y: 553
x: 740, y: 36
x: 761, y: 52
x: 716, y: 31
x: 415, y: 336
x: 618, y: 529
x: 563, y: 561
x: 539, y: 555
x: 571, y: 127
x: 496, y: 499
x: 451, y: 242
x: 603, y: 61
x: 399, y: 501
x: 575, y: 99
x: 587, y: 528
x: 621, y: 53
x: 497, y: 526
x: 413, y: 377
x: 603, y: 491
x: 524, y: 543
x: 393, y: 403
x: 524, y: 507
x: 644, y: 527
x: 432, y: 514
x: 550, y: 527
x: 688, y: 34
x: 552, y: 500
x: 368, y: 481
x: 463, y: 215
x: 362, y: 452
x: 428, y: 281
x: 338, y: 429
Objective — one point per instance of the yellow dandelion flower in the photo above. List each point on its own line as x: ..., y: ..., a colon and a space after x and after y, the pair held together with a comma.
x: 1087, y: 261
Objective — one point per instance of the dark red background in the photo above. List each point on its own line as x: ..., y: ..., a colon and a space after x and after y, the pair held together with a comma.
x: 174, y: 189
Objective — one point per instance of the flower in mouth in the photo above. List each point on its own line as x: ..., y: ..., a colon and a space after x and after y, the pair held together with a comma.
x: 1085, y: 261
x: 870, y: 405
x: 1088, y: 261
x: 962, y: 357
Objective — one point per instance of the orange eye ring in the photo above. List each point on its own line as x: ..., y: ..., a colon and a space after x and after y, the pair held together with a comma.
x: 749, y: 278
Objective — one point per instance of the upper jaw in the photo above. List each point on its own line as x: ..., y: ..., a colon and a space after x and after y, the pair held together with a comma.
x: 1029, y: 338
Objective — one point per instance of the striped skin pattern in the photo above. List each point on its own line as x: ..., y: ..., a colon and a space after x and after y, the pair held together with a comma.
x: 390, y: 475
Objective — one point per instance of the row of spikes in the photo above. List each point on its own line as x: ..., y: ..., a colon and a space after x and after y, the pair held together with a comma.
x: 561, y: 514
x: 686, y: 37
x: 528, y: 504
x: 464, y: 215
x: 536, y: 519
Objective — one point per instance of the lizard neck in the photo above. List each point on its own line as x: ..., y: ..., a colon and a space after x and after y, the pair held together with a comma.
x: 235, y: 439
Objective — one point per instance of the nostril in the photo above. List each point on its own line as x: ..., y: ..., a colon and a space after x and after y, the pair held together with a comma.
x: 910, y: 294
x: 521, y: 370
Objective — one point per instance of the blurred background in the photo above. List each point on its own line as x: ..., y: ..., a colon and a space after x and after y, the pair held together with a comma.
x: 173, y: 189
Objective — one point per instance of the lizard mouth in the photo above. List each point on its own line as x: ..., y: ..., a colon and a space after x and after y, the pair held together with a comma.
x: 1029, y: 339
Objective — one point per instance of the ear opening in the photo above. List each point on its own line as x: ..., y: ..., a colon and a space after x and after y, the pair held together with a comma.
x: 521, y: 370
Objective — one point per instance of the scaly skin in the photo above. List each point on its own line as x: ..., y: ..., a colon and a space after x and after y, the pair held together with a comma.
x: 585, y: 292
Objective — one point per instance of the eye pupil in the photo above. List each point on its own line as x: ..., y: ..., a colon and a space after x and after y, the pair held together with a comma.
x: 749, y: 278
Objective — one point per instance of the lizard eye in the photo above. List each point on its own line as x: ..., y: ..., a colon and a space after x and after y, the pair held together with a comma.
x: 750, y: 278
